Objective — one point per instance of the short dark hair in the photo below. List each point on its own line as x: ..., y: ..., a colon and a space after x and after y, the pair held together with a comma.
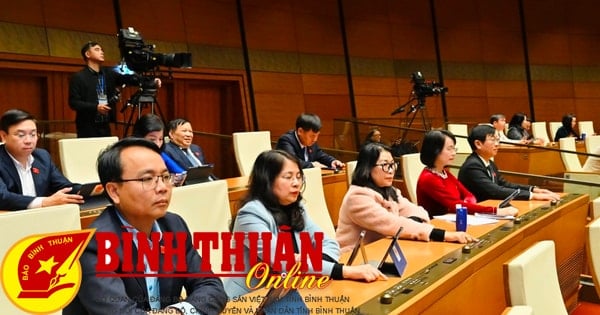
x: 87, y: 47
x: 12, y: 117
x: 109, y: 164
x: 367, y: 158
x: 494, y: 118
x: 147, y: 124
x: 266, y: 167
x: 433, y: 144
x: 480, y: 132
x: 173, y: 124
x: 308, y: 122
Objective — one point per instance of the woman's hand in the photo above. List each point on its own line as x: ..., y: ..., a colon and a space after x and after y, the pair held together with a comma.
x: 507, y: 211
x: 458, y: 237
x: 363, y: 272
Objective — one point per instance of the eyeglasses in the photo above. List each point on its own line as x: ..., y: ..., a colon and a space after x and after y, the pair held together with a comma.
x: 299, y: 178
x: 22, y: 135
x: 150, y: 182
x: 387, y: 167
x: 452, y: 149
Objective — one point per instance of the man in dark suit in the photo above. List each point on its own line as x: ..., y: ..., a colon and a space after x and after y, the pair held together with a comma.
x: 302, y: 143
x: 180, y: 147
x: 480, y: 175
x: 139, y: 185
x: 28, y: 178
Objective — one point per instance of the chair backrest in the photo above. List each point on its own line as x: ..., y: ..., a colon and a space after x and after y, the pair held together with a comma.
x: 78, y: 157
x: 584, y: 188
x: 553, y: 126
x: 350, y: 167
x: 592, y: 143
x: 247, y: 146
x: 596, y: 208
x: 533, y: 280
x: 570, y: 160
x: 19, y: 224
x: 411, y: 170
x: 593, y: 251
x: 462, y: 132
x: 518, y: 310
x: 204, y: 207
x: 314, y: 198
x: 586, y: 126
x: 539, y: 131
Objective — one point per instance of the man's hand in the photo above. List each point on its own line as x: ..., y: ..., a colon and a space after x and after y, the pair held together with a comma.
x: 338, y: 165
x: 103, y: 109
x: 318, y: 165
x: 62, y: 197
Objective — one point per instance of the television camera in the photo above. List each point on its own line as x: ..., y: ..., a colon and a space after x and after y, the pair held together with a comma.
x: 422, y: 88
x: 140, y: 65
x: 416, y: 103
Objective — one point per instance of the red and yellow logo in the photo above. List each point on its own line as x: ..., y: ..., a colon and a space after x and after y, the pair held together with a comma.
x: 41, y: 273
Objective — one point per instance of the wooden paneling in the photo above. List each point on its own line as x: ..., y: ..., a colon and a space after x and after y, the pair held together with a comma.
x: 78, y: 16
x: 319, y: 34
x: 23, y: 91
x: 270, y: 28
x: 202, y: 18
x: 29, y: 12
x: 324, y: 84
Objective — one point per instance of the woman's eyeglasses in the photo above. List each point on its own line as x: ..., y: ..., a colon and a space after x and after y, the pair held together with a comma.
x: 387, y: 167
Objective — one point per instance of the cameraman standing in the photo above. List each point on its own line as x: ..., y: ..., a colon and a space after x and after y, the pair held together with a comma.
x: 94, y: 93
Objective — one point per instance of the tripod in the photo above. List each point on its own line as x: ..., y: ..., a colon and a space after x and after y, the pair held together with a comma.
x: 140, y: 100
x: 402, y: 145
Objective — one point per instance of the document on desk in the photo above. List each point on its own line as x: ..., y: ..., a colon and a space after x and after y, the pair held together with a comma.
x: 471, y: 219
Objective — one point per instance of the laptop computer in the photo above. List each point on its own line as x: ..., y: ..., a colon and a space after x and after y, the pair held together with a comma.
x: 93, y: 196
x: 199, y: 174
x: 506, y: 202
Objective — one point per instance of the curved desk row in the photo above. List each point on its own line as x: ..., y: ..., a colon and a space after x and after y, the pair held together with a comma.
x: 441, y: 279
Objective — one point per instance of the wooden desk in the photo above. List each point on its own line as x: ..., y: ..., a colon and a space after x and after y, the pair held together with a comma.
x: 477, y: 285
x: 334, y: 186
x: 534, y: 159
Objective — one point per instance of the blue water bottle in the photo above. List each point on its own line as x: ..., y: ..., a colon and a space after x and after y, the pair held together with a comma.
x: 461, y: 218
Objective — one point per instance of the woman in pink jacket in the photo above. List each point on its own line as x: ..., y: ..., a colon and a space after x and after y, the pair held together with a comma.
x: 374, y: 205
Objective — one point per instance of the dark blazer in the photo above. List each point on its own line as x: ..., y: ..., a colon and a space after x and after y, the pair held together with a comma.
x: 562, y: 132
x: 46, y: 177
x: 474, y: 176
x: 128, y: 295
x: 288, y: 142
x: 175, y: 152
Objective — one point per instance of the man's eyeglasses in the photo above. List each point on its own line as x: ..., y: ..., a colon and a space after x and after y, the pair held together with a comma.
x: 150, y: 182
x: 22, y: 135
x: 387, y: 167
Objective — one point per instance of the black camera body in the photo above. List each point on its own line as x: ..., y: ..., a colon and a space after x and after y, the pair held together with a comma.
x: 141, y: 58
x: 422, y: 88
